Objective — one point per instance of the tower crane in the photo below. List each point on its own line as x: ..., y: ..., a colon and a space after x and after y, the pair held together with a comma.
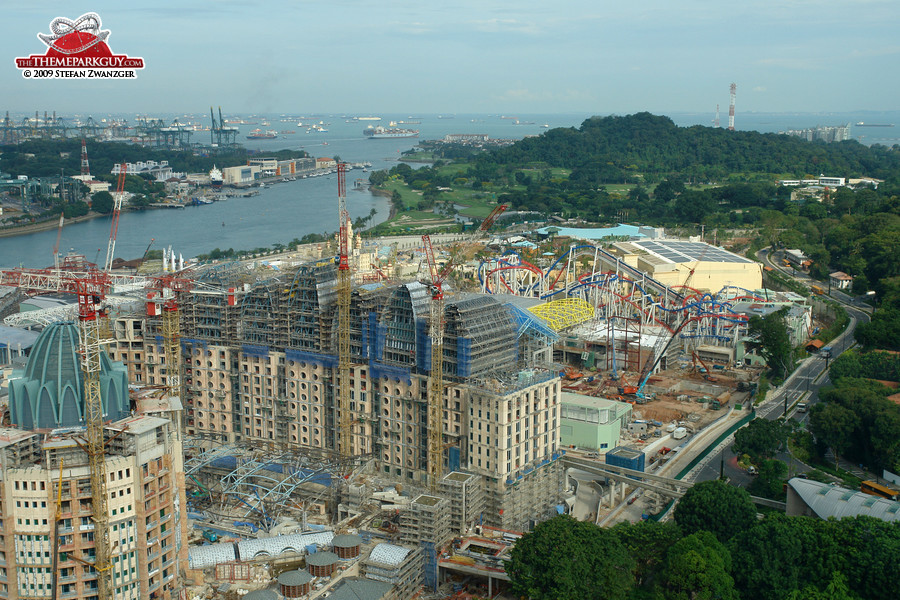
x: 436, y: 333
x: 91, y: 288
x: 345, y: 422
x: 117, y: 209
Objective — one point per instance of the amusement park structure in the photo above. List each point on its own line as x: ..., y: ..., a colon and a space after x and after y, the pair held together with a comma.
x: 633, y: 304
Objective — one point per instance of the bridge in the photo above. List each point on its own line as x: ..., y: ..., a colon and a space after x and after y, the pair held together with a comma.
x: 665, y: 486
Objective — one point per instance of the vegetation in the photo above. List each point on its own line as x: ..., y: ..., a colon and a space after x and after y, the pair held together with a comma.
x: 716, y: 507
x: 49, y: 158
x: 776, y: 558
x: 773, y: 342
x: 568, y: 559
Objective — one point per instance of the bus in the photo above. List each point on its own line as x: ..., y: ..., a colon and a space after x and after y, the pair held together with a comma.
x: 817, y: 290
x: 882, y: 491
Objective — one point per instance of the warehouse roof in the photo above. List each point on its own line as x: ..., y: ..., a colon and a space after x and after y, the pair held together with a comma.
x: 679, y: 251
x: 832, y: 501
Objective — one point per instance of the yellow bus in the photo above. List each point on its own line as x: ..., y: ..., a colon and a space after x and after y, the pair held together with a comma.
x: 876, y: 489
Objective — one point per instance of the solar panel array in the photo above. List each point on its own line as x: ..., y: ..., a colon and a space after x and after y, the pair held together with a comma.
x: 681, y: 252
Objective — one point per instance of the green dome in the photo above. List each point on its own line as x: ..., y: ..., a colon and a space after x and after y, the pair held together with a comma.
x: 48, y: 392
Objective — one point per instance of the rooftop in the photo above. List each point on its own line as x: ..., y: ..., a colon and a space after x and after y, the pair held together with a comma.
x: 679, y: 251
x: 833, y: 501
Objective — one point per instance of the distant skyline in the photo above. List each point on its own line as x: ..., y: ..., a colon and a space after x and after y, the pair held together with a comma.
x: 466, y: 56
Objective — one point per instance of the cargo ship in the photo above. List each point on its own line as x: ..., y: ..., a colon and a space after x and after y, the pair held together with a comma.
x: 378, y: 133
x: 259, y: 134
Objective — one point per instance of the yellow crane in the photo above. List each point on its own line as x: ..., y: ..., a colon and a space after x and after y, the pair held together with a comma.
x: 435, y: 456
x: 345, y: 421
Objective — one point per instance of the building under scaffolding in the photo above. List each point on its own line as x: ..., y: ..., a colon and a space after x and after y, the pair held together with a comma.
x: 260, y: 369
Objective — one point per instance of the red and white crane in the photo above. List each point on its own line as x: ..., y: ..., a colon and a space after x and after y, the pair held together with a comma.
x: 117, y: 209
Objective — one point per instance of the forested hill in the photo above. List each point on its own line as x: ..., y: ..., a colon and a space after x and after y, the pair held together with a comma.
x: 614, y: 149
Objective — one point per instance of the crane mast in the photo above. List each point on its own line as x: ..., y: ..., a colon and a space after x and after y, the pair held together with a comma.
x: 117, y: 209
x: 435, y: 457
x: 91, y: 287
x: 345, y: 422
x: 90, y: 292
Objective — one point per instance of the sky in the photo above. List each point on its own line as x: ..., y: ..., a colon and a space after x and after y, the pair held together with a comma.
x: 471, y: 56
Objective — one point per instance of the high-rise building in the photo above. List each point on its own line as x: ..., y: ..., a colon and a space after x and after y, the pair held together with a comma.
x: 46, y: 525
x: 261, y: 366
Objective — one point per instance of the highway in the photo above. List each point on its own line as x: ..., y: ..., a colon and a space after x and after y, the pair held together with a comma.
x: 804, y: 383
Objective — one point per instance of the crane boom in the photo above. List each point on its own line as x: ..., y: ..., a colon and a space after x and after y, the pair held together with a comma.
x: 345, y: 422
x: 117, y: 209
x: 435, y: 457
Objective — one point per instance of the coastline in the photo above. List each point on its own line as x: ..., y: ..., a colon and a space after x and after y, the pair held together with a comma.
x: 392, y: 212
x: 47, y: 225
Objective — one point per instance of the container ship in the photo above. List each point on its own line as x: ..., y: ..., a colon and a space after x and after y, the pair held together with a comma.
x: 258, y: 134
x: 378, y: 133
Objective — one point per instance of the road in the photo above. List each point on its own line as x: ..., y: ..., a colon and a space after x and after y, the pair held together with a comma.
x: 804, y: 383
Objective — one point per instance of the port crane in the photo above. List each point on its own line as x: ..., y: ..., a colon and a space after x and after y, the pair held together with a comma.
x: 345, y: 421
x: 435, y: 283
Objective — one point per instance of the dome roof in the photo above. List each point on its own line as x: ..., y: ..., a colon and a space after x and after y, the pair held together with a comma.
x: 48, y: 392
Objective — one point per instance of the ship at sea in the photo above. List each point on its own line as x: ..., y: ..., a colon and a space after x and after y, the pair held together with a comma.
x: 379, y: 133
x: 259, y: 134
x: 863, y: 124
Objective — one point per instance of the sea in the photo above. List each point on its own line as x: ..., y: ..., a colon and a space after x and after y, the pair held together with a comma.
x: 289, y: 210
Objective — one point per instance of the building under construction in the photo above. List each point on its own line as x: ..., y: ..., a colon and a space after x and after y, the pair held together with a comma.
x: 261, y: 367
x: 47, y: 525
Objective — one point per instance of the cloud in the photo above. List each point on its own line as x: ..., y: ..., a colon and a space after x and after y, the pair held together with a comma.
x: 504, y: 26
x: 414, y: 28
x: 799, y: 64
x: 869, y: 52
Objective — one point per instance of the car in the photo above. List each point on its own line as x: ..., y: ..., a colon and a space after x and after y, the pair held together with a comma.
x: 593, y: 455
x: 752, y: 470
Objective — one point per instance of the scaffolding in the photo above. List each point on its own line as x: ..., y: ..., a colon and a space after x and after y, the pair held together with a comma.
x: 479, y: 338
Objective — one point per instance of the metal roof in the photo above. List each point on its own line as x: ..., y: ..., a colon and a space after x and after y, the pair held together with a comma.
x: 201, y: 557
x: 388, y: 554
x: 354, y: 588
x: 346, y: 540
x: 677, y: 251
x: 294, y: 578
x: 834, y: 501
x: 322, y: 559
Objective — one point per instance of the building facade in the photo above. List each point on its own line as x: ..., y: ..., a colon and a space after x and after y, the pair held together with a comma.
x: 260, y: 366
x: 46, y: 524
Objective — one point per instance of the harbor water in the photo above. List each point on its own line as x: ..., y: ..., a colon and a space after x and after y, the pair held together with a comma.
x: 289, y: 210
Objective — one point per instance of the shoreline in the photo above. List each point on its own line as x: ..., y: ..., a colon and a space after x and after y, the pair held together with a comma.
x: 47, y: 225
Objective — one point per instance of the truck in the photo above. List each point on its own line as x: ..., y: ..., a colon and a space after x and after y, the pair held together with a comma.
x: 679, y: 433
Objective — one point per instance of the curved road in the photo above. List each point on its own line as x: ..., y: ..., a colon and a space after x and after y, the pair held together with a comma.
x: 804, y: 383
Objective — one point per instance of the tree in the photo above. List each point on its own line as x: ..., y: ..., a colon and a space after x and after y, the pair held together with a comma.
x: 761, y: 438
x: 102, y: 202
x: 716, y: 507
x: 773, y: 340
x: 769, y: 481
x: 698, y: 567
x: 647, y: 542
x: 833, y: 425
x: 564, y: 559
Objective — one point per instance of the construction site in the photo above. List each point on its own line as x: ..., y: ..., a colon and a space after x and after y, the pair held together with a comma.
x: 362, y: 423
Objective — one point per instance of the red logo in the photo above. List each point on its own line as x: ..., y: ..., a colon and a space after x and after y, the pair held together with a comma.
x: 78, y: 49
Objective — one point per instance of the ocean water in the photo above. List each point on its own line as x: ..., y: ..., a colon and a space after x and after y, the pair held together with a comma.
x: 290, y: 210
